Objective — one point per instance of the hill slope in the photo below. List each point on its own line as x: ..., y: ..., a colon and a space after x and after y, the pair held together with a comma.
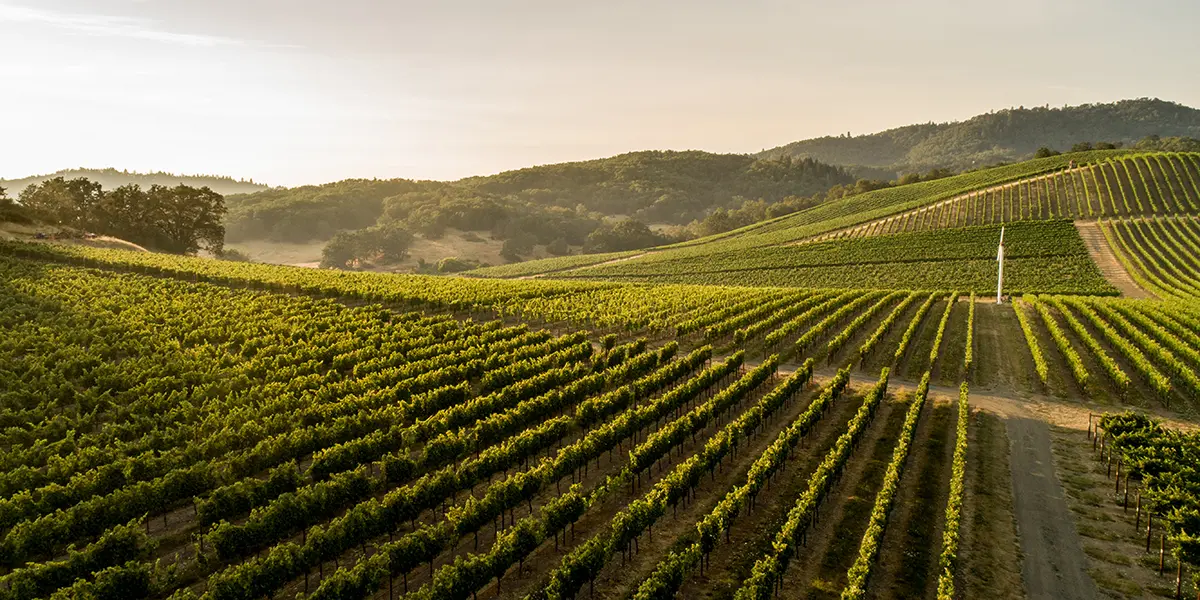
x: 943, y: 234
x: 111, y: 178
x: 831, y: 216
x: 563, y: 200
x: 1005, y: 135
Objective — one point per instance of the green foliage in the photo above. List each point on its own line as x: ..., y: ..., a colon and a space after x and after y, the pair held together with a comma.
x: 671, y: 571
x: 12, y: 212
x: 1078, y: 370
x: 834, y: 215
x: 233, y: 255
x: 1164, y: 460
x: 621, y: 236
x: 114, y: 178
x: 1047, y: 256
x: 1004, y: 135
x: 380, y: 244
x: 768, y: 571
x: 969, y: 357
x: 1156, y: 143
x: 558, y: 204
x: 180, y: 220
x: 868, y: 552
x: 1035, y: 349
x: 453, y: 264
x: 948, y: 561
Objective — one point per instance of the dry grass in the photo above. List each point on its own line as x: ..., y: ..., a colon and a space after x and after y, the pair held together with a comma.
x: 1118, y: 561
x: 481, y: 247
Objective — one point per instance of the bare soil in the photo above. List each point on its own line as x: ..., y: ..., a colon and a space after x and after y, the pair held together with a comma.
x: 1110, y: 266
x: 820, y: 572
x: 751, y: 536
x: 989, y: 552
x: 908, y: 558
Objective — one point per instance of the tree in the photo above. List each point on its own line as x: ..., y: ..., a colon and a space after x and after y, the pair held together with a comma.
x: 516, y: 246
x: 10, y: 210
x: 340, y: 251
x: 233, y: 255
x: 186, y: 219
x: 1082, y: 147
x: 120, y: 214
x: 64, y: 202
x: 380, y: 243
x: 181, y: 219
x: 391, y: 242
x: 558, y: 247
x: 1045, y: 152
x: 452, y: 264
x: 623, y: 235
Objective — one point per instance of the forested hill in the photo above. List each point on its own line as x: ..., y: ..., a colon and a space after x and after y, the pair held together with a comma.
x: 112, y: 178
x: 1005, y: 135
x: 562, y: 201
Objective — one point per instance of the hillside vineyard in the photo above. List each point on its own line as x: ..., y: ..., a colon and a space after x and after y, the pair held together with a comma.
x: 821, y: 406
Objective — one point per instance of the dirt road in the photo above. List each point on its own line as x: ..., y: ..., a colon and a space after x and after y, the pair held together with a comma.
x: 1104, y: 257
x: 1054, y: 565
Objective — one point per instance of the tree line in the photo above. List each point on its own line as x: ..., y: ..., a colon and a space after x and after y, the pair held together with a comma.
x: 178, y: 220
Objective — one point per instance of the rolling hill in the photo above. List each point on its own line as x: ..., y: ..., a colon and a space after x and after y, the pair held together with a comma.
x: 112, y: 178
x: 817, y: 405
x: 1005, y: 135
x: 549, y: 202
x: 943, y: 234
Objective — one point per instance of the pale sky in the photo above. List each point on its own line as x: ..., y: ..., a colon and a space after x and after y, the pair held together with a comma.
x: 290, y: 92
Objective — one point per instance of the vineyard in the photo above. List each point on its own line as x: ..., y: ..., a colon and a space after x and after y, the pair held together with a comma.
x: 1079, y: 186
x: 740, y: 418
x: 1043, y: 257
x: 1160, y: 253
x: 177, y: 438
x: 1127, y: 185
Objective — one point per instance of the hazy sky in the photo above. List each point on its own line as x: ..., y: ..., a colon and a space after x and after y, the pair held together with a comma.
x: 308, y: 91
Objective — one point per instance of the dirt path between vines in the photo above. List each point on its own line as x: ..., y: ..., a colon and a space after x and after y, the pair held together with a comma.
x: 1053, y: 565
x: 1106, y: 259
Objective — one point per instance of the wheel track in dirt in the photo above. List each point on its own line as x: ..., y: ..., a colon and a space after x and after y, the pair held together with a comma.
x: 1106, y: 259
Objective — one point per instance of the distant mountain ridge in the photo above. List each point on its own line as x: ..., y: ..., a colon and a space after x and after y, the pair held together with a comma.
x: 1001, y: 136
x: 113, y: 178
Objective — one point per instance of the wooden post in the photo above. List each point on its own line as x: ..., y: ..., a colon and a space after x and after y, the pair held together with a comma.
x: 1179, y: 580
x: 1138, y: 524
x: 1162, y: 553
x: 1149, y: 528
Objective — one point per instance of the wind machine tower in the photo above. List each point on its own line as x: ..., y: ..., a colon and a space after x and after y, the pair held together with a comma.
x: 1000, y: 274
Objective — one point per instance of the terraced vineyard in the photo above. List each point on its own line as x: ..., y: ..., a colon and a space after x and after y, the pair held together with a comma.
x: 836, y: 419
x: 1160, y: 253
x: 1113, y: 187
x: 1043, y: 257
x: 825, y: 218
